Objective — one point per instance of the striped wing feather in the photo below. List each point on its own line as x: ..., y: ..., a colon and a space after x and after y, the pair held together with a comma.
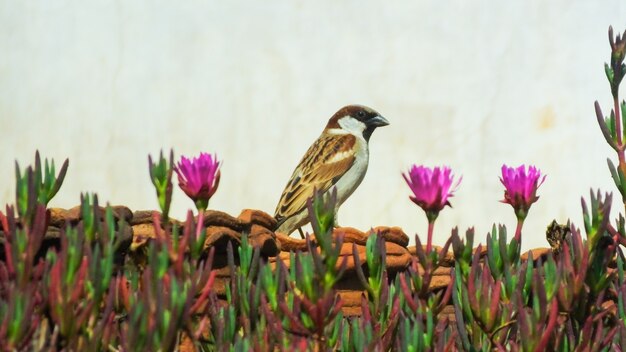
x: 323, y: 164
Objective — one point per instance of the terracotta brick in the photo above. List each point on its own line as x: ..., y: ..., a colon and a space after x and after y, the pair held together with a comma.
x: 537, y: 253
x: 119, y: 212
x: 142, y: 217
x: 393, y: 234
x: 264, y: 239
x: 219, y: 237
x: 413, y: 249
x: 221, y: 219
x: 351, y: 302
x: 288, y: 243
x: 59, y: 217
x: 258, y: 217
x: 141, y: 234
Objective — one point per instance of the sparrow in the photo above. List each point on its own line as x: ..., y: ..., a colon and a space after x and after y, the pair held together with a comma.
x: 337, y: 159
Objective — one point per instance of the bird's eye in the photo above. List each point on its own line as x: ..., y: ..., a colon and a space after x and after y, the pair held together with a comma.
x: 361, y: 114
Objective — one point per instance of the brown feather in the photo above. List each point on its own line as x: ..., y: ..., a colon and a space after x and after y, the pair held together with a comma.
x: 319, y: 169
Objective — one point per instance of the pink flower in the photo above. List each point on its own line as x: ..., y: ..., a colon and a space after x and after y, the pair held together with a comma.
x: 521, y: 187
x: 431, y: 188
x: 199, y: 178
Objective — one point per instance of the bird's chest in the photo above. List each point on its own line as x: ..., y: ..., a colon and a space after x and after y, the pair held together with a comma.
x: 353, y: 177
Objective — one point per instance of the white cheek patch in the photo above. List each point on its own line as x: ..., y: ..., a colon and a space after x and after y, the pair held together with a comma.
x: 352, y: 125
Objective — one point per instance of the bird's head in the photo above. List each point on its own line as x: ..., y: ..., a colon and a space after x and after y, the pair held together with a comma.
x: 356, y: 119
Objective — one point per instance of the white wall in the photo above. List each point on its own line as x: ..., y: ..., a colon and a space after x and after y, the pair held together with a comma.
x: 467, y: 84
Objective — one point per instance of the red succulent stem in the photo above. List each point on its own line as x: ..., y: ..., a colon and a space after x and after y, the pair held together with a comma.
x: 429, y: 241
x: 407, y: 294
x: 552, y: 320
x: 618, y: 132
x: 204, y: 293
x: 445, y: 300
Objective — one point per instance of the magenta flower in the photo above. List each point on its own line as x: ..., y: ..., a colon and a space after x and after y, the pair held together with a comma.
x: 199, y: 178
x: 431, y: 188
x: 521, y: 187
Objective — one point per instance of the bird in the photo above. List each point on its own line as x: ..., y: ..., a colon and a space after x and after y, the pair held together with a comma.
x: 337, y: 159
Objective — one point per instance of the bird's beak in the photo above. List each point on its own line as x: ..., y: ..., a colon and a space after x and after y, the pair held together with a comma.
x: 377, y: 121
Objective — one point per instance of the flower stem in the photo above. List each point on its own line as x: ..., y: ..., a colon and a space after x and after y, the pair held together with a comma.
x: 518, y: 231
x: 429, y: 241
x: 201, y: 215
x: 201, y: 205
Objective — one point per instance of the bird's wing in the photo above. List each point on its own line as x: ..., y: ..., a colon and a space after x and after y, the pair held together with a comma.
x: 320, y: 168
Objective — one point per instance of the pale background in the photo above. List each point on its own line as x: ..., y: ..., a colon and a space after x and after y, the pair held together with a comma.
x: 464, y: 83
